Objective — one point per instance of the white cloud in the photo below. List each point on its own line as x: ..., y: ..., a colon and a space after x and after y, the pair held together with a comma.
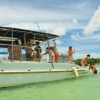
x: 52, y: 21
x: 76, y: 5
x: 76, y: 36
x: 94, y: 24
x: 94, y: 37
x: 50, y: 27
x: 75, y: 21
x: 62, y: 50
x: 86, y: 48
x: 10, y: 14
x: 60, y: 29
x: 18, y: 14
x: 58, y: 42
x: 79, y: 37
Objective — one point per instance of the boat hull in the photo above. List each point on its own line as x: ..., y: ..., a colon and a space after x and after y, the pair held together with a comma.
x: 17, y: 74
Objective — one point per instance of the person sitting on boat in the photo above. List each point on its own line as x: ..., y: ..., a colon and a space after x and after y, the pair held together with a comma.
x: 93, y: 68
x: 34, y: 55
x: 37, y: 52
x: 71, y: 51
x: 85, y: 60
x: 38, y: 47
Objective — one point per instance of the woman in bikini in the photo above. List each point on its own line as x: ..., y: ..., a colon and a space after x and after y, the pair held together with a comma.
x: 71, y: 51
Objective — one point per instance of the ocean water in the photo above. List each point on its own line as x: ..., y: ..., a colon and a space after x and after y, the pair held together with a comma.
x: 83, y: 88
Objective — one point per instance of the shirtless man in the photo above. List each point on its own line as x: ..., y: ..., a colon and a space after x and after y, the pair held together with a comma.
x: 85, y: 60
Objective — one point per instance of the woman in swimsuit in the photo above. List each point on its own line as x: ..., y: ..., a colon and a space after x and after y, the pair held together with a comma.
x: 71, y: 51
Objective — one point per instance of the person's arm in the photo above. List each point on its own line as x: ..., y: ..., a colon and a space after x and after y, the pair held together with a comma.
x: 32, y: 54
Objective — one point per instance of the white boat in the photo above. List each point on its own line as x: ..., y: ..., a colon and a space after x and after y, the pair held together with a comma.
x: 17, y: 72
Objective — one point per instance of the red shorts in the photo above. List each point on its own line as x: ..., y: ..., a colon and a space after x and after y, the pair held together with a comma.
x: 57, y: 57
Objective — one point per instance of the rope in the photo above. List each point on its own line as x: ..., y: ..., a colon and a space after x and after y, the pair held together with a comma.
x: 47, y: 42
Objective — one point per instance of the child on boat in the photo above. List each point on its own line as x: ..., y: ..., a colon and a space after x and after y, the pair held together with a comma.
x: 93, y: 68
x: 71, y: 51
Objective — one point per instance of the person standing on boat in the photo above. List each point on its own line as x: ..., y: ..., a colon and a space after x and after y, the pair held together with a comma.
x: 50, y: 51
x: 85, y: 60
x: 52, y: 55
x: 70, y: 52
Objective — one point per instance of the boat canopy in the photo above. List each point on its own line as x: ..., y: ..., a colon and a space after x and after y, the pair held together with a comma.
x: 9, y: 34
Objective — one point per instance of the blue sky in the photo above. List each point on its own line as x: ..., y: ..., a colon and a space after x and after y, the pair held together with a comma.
x: 76, y: 21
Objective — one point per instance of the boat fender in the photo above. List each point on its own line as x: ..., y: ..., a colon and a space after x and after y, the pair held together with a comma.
x: 75, y: 72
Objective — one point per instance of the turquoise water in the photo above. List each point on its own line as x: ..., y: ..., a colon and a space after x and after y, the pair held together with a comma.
x: 83, y: 88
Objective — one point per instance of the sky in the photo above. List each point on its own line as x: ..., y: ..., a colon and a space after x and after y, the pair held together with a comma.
x: 77, y: 22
